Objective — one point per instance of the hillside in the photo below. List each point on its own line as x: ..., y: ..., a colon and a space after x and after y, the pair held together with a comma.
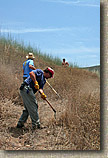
x: 95, y: 69
x: 77, y: 126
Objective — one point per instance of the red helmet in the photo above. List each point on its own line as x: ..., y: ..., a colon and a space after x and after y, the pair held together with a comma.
x: 51, y: 71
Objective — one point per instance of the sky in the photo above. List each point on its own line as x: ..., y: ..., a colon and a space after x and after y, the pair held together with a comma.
x: 67, y: 29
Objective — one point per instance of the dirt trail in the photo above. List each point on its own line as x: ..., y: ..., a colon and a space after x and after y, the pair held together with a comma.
x: 25, y: 139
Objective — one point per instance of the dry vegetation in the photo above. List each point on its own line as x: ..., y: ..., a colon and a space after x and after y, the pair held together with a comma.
x: 77, y: 126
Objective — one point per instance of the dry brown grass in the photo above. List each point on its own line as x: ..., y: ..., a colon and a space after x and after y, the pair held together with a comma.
x: 78, y: 123
x: 82, y: 117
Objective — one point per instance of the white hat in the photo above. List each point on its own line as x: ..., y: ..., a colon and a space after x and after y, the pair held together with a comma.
x: 30, y: 56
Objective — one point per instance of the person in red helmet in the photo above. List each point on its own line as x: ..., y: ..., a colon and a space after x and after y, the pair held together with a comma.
x: 35, y: 82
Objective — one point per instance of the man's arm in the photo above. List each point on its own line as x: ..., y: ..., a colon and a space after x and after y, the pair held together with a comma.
x: 32, y: 76
x: 67, y: 63
x: 32, y: 67
x: 43, y: 96
x: 40, y: 91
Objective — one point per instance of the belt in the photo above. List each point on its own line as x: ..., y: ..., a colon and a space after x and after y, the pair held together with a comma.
x: 25, y: 84
x: 22, y: 85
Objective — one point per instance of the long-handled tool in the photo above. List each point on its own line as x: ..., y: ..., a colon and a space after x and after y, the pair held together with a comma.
x: 52, y: 108
x: 53, y: 89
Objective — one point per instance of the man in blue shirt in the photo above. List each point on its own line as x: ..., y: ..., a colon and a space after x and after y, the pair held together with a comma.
x: 35, y: 82
x: 28, y: 65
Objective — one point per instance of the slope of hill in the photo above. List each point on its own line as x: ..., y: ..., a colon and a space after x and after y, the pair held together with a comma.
x: 95, y: 69
x: 77, y: 126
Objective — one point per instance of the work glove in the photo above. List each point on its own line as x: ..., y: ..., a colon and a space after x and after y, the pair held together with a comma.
x: 36, y: 85
x: 43, y: 96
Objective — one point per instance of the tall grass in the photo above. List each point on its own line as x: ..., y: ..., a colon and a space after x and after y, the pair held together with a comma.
x: 74, y: 65
x: 20, y: 46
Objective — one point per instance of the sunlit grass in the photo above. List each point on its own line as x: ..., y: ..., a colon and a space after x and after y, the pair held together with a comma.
x: 20, y: 46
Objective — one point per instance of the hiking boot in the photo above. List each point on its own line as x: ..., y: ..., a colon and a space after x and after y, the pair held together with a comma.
x: 19, y: 125
x: 38, y: 126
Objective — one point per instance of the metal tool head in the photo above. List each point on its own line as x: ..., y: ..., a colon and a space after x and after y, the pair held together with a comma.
x: 55, y: 114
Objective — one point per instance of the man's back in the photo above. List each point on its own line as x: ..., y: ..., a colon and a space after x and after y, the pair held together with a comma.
x: 26, y: 68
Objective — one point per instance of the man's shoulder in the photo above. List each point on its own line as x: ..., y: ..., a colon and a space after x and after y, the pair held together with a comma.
x: 25, y: 62
x: 30, y: 60
x: 63, y: 63
x: 38, y: 71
